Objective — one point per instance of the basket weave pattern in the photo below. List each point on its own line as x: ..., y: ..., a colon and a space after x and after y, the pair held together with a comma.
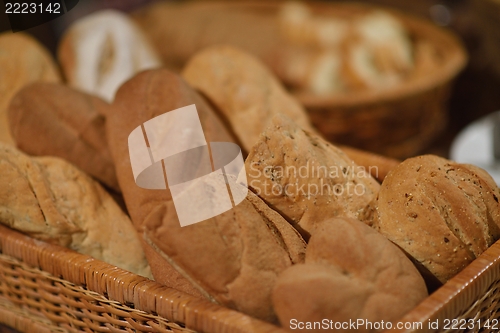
x: 47, y: 288
x: 37, y: 296
x: 91, y: 296
x: 400, y: 128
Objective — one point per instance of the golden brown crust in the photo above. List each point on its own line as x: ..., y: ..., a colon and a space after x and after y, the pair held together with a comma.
x: 233, y: 258
x: 55, y: 120
x: 147, y: 95
x: 22, y: 61
x: 351, y: 272
x: 51, y: 200
x: 307, y: 179
x: 243, y: 90
x: 443, y: 214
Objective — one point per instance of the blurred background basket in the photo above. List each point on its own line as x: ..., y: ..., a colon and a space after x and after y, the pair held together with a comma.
x: 401, y: 121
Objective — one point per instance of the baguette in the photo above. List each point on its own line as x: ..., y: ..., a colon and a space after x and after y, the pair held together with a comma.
x: 307, y: 179
x: 217, y: 258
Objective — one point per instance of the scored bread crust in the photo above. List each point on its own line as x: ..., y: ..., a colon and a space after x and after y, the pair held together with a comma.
x: 51, y: 200
x: 55, y: 120
x: 233, y: 258
x: 307, y: 179
x: 443, y: 214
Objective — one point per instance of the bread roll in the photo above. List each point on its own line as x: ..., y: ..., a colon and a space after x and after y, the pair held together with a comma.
x: 102, y: 50
x: 233, y: 258
x: 351, y: 273
x: 55, y: 120
x: 300, y: 26
x: 22, y: 61
x: 443, y: 214
x: 49, y: 199
x: 244, y: 90
x: 307, y: 179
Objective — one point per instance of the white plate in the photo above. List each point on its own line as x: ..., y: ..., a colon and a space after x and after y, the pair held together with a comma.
x: 474, y: 145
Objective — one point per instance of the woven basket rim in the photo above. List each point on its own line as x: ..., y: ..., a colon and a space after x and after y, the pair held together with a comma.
x: 456, y: 56
x: 128, y: 288
x: 200, y: 315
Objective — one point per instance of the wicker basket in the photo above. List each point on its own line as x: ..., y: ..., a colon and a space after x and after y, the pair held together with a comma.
x: 400, y: 121
x: 47, y: 288
x: 397, y: 122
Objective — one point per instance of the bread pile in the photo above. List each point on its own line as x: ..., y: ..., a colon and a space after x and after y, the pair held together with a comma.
x: 306, y: 243
x: 345, y: 53
x: 335, y: 52
x: 22, y: 60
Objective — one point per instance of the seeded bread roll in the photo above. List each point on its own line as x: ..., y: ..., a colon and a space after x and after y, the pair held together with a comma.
x: 233, y: 258
x: 55, y: 120
x: 351, y: 272
x: 102, y: 50
x: 49, y: 199
x: 22, y: 61
x: 244, y: 91
x: 443, y: 214
x: 307, y: 179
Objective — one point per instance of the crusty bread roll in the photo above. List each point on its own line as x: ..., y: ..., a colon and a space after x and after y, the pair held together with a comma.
x: 244, y: 91
x: 381, y: 55
x: 307, y: 179
x: 443, y: 214
x: 233, y: 258
x: 22, y: 61
x: 102, y: 50
x: 351, y: 273
x: 55, y: 120
x: 49, y: 199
